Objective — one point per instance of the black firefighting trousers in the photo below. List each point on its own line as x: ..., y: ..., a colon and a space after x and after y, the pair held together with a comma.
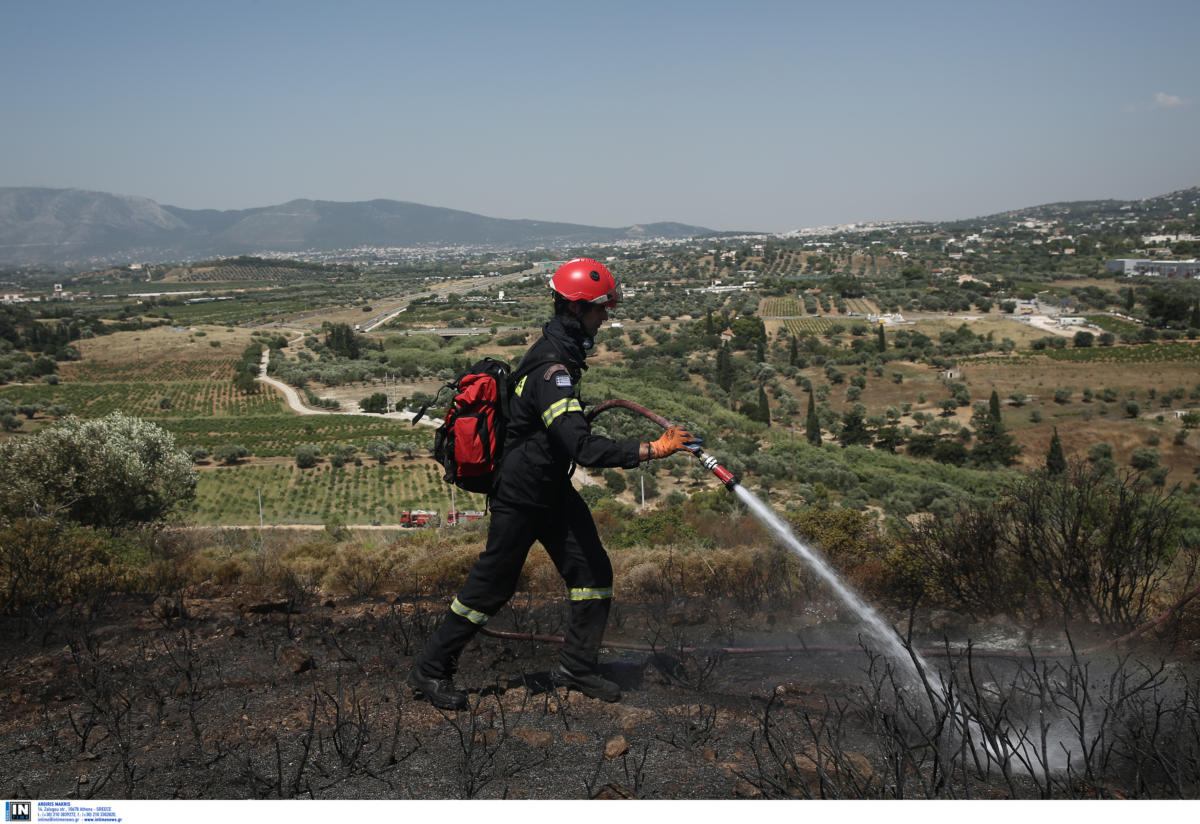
x: 570, y: 538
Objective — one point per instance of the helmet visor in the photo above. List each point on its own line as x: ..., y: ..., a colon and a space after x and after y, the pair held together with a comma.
x: 610, y: 298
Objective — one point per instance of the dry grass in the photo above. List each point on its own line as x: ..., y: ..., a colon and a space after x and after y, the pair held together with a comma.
x: 1080, y: 424
x: 1042, y: 376
x: 1078, y: 435
x: 999, y: 324
x: 165, y: 344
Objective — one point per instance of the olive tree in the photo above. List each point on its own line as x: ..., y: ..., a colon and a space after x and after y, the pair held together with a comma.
x: 381, y: 450
x: 230, y: 453
x: 307, y: 454
x: 113, y: 472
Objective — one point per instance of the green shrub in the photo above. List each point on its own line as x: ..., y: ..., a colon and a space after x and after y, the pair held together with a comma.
x: 376, y: 403
x: 113, y: 472
x: 307, y: 454
x: 230, y: 453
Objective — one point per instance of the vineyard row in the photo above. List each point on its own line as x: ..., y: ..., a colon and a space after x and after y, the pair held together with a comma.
x: 175, y: 399
x: 368, y: 494
x: 279, y: 435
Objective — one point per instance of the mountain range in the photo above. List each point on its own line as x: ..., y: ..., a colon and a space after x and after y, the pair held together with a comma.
x: 75, y: 228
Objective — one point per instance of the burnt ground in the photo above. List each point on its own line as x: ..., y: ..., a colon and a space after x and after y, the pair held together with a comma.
x: 238, y: 696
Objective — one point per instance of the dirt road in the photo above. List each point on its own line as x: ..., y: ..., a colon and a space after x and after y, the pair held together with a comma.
x: 297, y: 405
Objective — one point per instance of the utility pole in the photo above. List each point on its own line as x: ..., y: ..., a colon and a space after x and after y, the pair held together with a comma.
x: 391, y: 386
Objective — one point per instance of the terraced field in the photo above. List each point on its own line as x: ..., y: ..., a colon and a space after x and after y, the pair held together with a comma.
x: 149, y: 399
x: 781, y: 307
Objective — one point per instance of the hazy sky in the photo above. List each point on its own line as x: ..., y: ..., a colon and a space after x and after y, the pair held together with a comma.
x: 732, y: 115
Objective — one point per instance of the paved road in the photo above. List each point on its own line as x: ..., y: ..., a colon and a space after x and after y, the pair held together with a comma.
x: 454, y: 331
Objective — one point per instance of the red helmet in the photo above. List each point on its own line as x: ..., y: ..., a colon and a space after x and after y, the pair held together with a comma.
x: 588, y: 280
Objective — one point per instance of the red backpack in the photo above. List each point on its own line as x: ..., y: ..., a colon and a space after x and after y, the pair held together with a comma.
x: 470, y: 440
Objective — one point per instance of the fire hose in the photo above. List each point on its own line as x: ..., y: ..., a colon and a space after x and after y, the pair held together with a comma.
x: 707, y: 461
x: 811, y: 649
x: 729, y: 480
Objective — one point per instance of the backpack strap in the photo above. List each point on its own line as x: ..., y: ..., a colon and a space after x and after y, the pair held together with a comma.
x: 454, y: 385
x: 425, y: 407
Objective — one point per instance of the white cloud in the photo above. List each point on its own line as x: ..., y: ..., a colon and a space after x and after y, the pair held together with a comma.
x: 1162, y: 100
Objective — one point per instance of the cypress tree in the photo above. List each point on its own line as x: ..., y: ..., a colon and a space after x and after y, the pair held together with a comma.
x: 1056, y: 460
x: 854, y: 427
x: 764, y: 408
x: 341, y: 340
x: 993, y: 443
x: 812, y: 426
x: 882, y: 339
x: 725, y: 371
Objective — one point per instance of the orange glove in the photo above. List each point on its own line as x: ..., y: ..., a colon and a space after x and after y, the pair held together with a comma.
x: 672, y: 441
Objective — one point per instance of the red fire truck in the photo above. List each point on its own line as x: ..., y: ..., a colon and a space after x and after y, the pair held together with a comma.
x: 458, y: 516
x: 419, y: 517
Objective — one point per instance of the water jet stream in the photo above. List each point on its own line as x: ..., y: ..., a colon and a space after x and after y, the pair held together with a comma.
x: 910, y: 660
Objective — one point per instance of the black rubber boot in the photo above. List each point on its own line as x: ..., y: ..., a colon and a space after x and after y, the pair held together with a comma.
x: 591, y: 684
x: 440, y: 692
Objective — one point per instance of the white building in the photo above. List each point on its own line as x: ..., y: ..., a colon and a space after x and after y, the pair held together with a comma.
x: 1129, y: 267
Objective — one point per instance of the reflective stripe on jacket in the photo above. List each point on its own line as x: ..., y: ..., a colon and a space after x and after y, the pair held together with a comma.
x: 548, y: 432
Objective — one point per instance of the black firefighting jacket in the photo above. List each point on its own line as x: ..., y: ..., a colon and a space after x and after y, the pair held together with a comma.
x: 547, y: 430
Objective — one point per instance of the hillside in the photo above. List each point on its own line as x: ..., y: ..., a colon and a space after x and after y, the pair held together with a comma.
x: 73, y: 228
x: 77, y: 230
x: 1180, y: 205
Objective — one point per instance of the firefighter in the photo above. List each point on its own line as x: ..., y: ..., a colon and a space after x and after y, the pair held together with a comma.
x: 533, y: 499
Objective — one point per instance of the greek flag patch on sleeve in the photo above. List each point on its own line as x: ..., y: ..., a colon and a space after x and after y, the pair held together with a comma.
x: 562, y: 381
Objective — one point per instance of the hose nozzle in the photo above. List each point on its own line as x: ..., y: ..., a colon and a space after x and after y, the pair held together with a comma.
x: 723, y: 475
